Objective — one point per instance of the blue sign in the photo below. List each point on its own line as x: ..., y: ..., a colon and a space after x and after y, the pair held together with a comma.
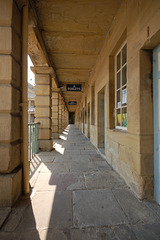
x: 73, y: 87
x: 72, y: 103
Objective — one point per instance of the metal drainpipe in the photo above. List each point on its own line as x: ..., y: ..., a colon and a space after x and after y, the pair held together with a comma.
x: 24, y: 104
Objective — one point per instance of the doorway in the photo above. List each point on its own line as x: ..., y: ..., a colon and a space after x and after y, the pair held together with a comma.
x: 71, y: 117
x: 83, y: 120
x: 88, y: 120
x: 156, y: 104
x: 101, y: 120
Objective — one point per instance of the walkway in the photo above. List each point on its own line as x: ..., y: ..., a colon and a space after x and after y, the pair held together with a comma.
x: 77, y: 196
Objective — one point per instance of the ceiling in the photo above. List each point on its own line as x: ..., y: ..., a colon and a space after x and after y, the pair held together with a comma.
x: 73, y: 33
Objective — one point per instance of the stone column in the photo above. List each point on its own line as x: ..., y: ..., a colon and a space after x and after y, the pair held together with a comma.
x: 60, y: 113
x: 10, y: 110
x: 55, y: 113
x: 43, y: 106
x: 67, y: 116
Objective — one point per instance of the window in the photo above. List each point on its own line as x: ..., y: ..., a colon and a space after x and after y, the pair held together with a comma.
x: 121, y: 88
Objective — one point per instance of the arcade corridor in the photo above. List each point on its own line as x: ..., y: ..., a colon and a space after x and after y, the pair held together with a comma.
x: 76, y: 195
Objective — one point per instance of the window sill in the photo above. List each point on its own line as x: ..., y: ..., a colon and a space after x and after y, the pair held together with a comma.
x: 119, y: 130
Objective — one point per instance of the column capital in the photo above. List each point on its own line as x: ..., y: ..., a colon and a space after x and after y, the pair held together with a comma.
x: 44, y: 70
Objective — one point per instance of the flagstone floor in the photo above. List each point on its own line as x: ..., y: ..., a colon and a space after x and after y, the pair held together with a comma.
x: 76, y: 195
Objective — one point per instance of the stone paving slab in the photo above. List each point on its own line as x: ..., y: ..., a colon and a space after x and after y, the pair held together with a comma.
x: 46, y: 211
x: 9, y: 236
x: 96, y: 208
x: 121, y: 232
x: 88, y: 152
x: 59, y: 182
x: 45, y: 159
x: 56, y: 167
x: 86, y: 234
x: 96, y: 157
x: 147, y: 231
x: 17, y: 213
x: 102, y: 165
x: 63, y: 159
x: 72, y: 152
x: 76, y: 195
x: 4, y: 213
x: 135, y: 209
x: 80, y: 167
x: 103, y: 179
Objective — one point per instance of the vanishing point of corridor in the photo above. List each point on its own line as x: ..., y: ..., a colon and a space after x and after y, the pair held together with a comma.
x: 76, y: 195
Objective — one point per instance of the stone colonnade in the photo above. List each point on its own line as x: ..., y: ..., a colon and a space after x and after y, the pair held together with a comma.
x: 50, y: 109
x: 11, y: 139
x: 43, y: 101
x: 10, y: 104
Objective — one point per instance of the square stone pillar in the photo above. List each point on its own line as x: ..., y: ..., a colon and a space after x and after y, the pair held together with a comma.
x: 60, y: 113
x: 10, y: 99
x: 43, y: 106
x: 55, y: 113
x: 66, y: 117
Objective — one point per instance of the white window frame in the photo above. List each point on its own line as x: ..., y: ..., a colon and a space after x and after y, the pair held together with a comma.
x: 120, y: 89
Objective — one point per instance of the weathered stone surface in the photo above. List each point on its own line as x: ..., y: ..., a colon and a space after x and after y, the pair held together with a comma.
x: 12, y: 132
x: 52, y: 214
x: 9, y: 236
x: 105, y: 179
x: 135, y: 210
x: 87, y: 234
x: 147, y: 231
x: 116, y: 233
x: 5, y: 45
x: 10, y: 185
x: 71, y: 152
x: 88, y: 204
x: 50, y: 234
x: 72, y: 205
x: 44, y: 133
x: 16, y: 214
x: 56, y: 167
x: 4, y: 212
x: 42, y: 90
x: 46, y: 145
x: 11, y: 155
x: 80, y: 167
x: 43, y: 79
x: 42, y: 101
x: 42, y: 112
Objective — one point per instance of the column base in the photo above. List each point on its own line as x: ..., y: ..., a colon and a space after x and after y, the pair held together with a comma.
x: 11, y: 188
x: 55, y: 135
x: 46, y: 145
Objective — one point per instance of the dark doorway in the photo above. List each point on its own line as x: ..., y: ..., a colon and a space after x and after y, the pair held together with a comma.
x: 88, y: 120
x: 71, y: 117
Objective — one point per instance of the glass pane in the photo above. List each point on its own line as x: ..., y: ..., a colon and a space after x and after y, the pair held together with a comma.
x: 124, y: 117
x: 118, y: 99
x: 124, y: 75
x: 118, y: 61
x: 118, y: 80
x: 124, y: 54
x: 124, y: 96
x: 118, y: 117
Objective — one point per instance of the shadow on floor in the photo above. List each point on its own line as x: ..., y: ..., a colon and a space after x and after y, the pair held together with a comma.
x: 76, y: 195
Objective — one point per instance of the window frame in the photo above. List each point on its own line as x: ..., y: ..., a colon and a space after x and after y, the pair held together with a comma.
x: 121, y: 86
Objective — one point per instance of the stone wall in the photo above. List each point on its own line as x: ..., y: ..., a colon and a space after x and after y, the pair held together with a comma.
x: 129, y: 152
